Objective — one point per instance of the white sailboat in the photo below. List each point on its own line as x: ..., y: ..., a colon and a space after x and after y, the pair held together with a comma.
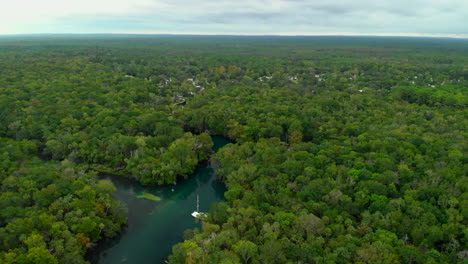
x: 197, y: 213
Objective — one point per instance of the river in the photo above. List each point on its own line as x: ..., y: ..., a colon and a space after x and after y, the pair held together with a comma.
x: 154, y: 227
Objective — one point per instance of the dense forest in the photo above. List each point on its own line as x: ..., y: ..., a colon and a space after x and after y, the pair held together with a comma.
x: 345, y: 149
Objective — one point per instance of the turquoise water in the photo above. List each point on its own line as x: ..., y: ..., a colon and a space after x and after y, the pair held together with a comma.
x: 155, y: 226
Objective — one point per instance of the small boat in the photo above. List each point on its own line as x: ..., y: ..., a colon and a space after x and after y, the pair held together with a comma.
x: 196, y: 214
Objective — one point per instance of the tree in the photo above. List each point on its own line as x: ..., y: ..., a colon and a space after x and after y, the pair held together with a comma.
x: 105, y: 186
x: 38, y: 255
x: 245, y: 249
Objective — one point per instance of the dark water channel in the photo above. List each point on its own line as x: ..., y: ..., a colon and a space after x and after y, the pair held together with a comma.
x: 155, y: 226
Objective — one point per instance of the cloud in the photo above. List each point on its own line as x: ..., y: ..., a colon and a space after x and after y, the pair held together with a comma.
x: 240, y: 16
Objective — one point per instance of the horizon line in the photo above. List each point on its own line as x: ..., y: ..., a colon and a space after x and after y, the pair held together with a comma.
x: 280, y: 34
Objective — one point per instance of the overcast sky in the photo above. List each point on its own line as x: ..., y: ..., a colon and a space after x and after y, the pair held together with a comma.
x: 288, y: 17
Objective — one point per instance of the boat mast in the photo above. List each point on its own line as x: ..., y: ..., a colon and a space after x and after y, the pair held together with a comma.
x: 197, y: 214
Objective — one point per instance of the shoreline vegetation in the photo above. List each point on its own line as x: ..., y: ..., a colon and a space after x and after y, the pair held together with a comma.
x: 174, y: 216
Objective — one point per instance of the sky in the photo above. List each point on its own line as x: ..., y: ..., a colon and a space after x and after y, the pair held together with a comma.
x: 233, y: 17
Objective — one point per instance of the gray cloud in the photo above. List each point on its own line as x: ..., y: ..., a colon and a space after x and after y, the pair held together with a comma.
x: 232, y: 18
x: 417, y: 16
x: 272, y: 16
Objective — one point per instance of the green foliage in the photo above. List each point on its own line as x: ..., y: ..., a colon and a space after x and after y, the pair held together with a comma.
x: 51, y: 212
x: 446, y: 95
x: 348, y: 150
x: 245, y: 249
x: 163, y: 166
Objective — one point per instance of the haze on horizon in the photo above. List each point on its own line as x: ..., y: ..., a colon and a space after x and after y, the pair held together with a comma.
x: 242, y: 17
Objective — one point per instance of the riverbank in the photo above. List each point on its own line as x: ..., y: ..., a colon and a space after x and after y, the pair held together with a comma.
x: 153, y: 227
